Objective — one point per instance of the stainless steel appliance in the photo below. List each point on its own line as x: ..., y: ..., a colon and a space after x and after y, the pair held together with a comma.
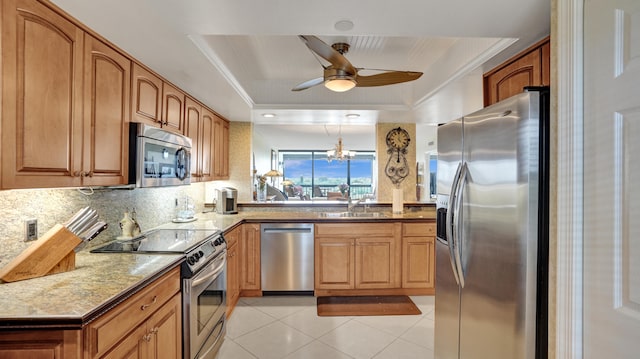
x: 203, y: 282
x: 158, y: 157
x: 286, y: 257
x: 227, y: 200
x: 492, y: 238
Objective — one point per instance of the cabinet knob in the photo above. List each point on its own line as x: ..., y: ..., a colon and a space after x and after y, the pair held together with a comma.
x: 147, y: 337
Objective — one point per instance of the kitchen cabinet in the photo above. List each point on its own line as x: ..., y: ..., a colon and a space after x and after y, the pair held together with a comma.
x: 146, y: 325
x: 146, y: 96
x: 233, y: 268
x: 418, y: 255
x: 156, y: 337
x: 41, y: 344
x: 54, y: 73
x: 250, y: 260
x: 155, y: 101
x: 357, y: 256
x: 199, y: 127
x: 529, y: 68
x: 221, y: 148
x: 173, y: 108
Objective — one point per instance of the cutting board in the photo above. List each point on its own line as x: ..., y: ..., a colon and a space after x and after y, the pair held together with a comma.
x: 51, y: 253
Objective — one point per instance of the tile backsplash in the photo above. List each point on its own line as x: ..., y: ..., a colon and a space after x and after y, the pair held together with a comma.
x: 154, y: 206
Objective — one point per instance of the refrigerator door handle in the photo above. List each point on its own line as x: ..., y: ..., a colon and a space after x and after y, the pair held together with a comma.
x: 449, y: 222
x: 457, y: 225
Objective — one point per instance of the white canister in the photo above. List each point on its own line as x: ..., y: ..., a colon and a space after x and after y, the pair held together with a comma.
x: 398, y: 202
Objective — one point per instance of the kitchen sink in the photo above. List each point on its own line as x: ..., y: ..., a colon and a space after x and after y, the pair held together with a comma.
x: 351, y: 214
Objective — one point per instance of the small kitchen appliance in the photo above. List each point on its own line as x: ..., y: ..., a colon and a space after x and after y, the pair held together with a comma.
x: 158, y: 157
x: 227, y: 200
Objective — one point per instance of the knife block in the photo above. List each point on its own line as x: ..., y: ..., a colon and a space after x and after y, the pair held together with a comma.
x: 52, y: 253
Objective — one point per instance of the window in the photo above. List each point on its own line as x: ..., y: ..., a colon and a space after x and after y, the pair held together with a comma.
x: 315, y: 176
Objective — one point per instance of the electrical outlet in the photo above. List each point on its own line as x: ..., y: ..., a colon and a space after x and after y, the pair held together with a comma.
x: 30, y: 230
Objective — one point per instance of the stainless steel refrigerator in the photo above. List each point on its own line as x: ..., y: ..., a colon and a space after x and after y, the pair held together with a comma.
x: 492, y: 242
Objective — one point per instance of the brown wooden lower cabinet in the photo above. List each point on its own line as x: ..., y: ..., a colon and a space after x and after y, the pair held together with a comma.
x: 41, y: 344
x: 250, y: 260
x: 418, y: 255
x: 147, y: 325
x: 233, y: 268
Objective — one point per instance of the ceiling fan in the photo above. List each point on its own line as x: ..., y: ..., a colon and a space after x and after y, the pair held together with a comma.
x: 341, y: 75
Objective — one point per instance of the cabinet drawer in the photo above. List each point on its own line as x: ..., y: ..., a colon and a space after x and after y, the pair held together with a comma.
x: 418, y: 229
x: 355, y: 229
x: 114, y: 325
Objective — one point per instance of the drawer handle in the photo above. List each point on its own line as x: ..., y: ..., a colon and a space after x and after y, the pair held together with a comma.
x: 153, y: 301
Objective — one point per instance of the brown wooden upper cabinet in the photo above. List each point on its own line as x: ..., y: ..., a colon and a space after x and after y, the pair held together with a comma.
x: 529, y: 68
x: 221, y: 148
x: 146, y: 97
x: 156, y: 102
x: 65, y: 95
x: 199, y: 127
x: 173, y: 106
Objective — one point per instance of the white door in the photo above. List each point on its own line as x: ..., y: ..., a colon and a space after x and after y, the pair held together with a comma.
x: 612, y: 179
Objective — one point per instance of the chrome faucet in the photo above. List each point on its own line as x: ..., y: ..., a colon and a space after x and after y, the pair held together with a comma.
x: 351, y: 206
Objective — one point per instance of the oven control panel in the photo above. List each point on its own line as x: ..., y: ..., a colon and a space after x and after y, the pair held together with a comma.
x: 205, y: 252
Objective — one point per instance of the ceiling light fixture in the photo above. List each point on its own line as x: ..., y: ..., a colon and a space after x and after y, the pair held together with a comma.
x: 268, y: 115
x: 343, y: 25
x: 352, y: 116
x: 340, y: 83
x: 339, y: 153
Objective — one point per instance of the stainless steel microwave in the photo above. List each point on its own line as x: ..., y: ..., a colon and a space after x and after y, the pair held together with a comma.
x: 158, y: 157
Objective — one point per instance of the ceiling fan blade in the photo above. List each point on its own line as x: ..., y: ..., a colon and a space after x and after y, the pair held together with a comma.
x: 310, y: 83
x: 387, y: 78
x: 328, y: 53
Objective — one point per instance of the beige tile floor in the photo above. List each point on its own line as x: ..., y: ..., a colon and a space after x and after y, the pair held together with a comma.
x: 288, y: 327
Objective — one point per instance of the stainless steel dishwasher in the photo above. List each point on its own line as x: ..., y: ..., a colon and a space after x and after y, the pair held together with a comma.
x: 286, y: 257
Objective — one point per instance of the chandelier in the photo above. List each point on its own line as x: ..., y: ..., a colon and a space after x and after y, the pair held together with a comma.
x: 339, y: 153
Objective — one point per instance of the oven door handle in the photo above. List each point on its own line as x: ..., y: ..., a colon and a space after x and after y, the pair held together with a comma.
x: 218, y: 269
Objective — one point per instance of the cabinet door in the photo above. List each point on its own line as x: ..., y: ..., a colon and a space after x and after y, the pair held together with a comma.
x: 131, y: 347
x: 233, y: 268
x: 221, y: 148
x: 193, y: 129
x: 334, y: 263
x: 164, y: 330
x: 41, y: 84
x: 173, y: 107
x: 376, y: 263
x: 107, y: 76
x: 250, y: 257
x: 530, y: 68
x: 233, y: 283
x: 206, y: 163
x: 418, y: 262
x: 146, y: 97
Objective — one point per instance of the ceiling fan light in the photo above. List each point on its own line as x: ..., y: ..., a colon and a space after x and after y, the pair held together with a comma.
x: 340, y: 84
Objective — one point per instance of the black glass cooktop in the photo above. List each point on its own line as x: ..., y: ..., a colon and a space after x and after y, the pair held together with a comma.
x: 159, y: 241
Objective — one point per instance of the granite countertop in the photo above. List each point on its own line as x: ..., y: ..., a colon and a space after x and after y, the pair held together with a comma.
x: 74, y: 298
x: 100, y: 280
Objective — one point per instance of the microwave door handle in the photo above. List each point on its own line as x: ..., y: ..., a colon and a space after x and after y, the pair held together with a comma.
x: 448, y: 223
x: 181, y: 167
x: 462, y: 181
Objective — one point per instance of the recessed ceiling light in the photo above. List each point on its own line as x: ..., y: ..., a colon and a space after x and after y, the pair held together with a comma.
x: 352, y: 116
x: 268, y: 115
x: 344, y: 25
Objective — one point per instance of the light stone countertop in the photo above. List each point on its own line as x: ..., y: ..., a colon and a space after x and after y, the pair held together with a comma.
x: 72, y: 299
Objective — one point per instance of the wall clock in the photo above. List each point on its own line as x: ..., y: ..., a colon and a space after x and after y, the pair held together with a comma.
x: 397, y: 168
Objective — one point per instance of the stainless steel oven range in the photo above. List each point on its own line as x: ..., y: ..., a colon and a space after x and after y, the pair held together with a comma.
x: 204, y: 294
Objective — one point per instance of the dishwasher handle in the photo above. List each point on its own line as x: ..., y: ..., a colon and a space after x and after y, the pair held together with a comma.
x: 287, y: 230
